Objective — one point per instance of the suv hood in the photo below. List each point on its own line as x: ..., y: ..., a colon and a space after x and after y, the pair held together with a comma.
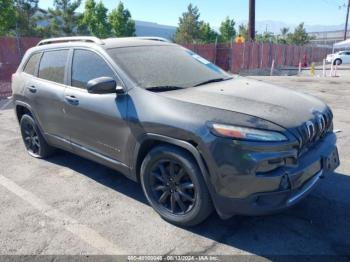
x: 281, y: 106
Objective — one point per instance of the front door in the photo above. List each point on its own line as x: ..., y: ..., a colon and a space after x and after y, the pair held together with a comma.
x: 97, y: 122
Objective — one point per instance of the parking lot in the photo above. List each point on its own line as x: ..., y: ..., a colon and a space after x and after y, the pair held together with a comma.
x: 69, y: 205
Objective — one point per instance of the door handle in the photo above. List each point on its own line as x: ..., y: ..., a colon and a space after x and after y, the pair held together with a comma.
x: 32, y: 89
x: 72, y: 100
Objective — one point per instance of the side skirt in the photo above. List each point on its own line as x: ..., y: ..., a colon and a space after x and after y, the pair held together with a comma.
x: 84, y: 152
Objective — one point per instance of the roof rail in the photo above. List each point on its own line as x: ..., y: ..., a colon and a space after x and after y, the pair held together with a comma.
x: 155, y: 38
x: 90, y: 39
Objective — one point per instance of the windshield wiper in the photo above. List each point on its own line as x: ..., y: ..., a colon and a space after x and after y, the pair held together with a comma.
x: 213, y: 81
x: 163, y: 88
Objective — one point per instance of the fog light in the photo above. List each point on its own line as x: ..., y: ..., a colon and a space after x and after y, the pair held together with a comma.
x: 285, y: 184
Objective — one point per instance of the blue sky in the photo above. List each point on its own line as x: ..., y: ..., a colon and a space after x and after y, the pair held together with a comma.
x: 323, y: 12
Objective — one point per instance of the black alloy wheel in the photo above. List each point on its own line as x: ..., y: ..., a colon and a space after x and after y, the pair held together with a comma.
x: 172, y: 186
x: 33, y: 140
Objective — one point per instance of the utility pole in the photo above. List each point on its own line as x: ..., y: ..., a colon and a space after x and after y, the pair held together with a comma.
x: 251, y: 25
x: 347, y: 21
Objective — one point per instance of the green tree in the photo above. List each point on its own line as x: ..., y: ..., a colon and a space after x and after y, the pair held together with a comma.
x: 102, y: 26
x: 299, y: 36
x: 243, y: 31
x: 227, y: 30
x: 283, y: 38
x: 188, y: 30
x: 63, y: 17
x: 207, y: 34
x: 7, y: 17
x: 25, y: 17
x: 121, y: 22
x: 265, y: 37
x: 86, y: 23
x: 94, y: 20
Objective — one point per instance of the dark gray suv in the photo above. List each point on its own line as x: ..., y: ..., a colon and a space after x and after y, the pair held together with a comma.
x: 195, y: 137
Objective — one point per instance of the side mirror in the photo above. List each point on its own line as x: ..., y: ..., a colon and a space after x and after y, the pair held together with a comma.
x: 102, y: 85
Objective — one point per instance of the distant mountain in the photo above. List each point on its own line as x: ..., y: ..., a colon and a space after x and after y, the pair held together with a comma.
x: 323, y: 28
x: 275, y: 26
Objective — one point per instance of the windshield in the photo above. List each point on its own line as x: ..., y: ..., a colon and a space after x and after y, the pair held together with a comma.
x: 166, y: 66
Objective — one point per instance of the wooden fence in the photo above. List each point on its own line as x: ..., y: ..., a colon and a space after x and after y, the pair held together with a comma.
x: 231, y: 57
x: 240, y: 57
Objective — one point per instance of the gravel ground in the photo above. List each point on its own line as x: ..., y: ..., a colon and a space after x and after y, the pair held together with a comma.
x: 67, y: 205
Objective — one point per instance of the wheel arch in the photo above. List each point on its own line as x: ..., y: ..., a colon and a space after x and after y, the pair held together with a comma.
x: 22, y: 108
x: 149, y: 141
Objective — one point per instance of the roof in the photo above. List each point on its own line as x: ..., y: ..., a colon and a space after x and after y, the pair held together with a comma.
x: 107, y: 43
x: 134, y: 41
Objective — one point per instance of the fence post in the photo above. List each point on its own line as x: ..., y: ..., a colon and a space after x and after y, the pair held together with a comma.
x: 215, y: 50
x: 272, y: 67
x: 231, y: 54
x: 261, y: 55
x: 243, y: 58
x: 270, y: 53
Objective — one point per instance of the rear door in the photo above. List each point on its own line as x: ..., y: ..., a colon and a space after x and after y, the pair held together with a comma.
x: 97, y: 122
x: 46, y: 91
x: 49, y: 102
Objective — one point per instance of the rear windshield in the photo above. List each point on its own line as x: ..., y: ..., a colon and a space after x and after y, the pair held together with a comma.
x: 162, y: 66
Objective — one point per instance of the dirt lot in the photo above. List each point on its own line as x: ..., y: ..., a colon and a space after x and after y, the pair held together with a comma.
x: 69, y: 205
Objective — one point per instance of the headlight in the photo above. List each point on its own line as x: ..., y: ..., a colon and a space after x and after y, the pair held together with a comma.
x: 245, y: 133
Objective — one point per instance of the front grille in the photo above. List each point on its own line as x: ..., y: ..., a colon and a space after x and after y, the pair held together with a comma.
x: 314, y: 129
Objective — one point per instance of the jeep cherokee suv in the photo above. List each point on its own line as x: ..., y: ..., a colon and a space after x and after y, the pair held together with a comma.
x: 195, y: 137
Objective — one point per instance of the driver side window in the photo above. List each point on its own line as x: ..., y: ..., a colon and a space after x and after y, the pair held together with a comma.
x: 86, y: 66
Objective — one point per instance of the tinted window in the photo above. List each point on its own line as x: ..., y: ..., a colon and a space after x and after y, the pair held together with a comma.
x: 86, y: 66
x: 52, y: 65
x: 32, y: 63
x: 165, y: 66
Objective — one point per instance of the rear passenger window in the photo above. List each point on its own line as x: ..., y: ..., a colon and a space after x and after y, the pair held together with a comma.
x: 30, y: 67
x: 86, y: 66
x: 52, y: 65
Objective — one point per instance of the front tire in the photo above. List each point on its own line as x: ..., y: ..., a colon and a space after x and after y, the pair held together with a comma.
x: 337, y: 62
x: 33, y: 140
x: 174, y: 186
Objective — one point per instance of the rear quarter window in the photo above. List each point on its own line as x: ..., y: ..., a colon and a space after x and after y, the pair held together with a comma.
x: 30, y: 67
x: 53, y: 65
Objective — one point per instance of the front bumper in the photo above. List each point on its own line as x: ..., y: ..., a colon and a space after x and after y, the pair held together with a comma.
x: 252, y: 193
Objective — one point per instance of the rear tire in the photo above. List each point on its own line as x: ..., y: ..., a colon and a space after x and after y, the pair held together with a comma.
x: 337, y: 61
x: 33, y: 140
x: 174, y: 186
